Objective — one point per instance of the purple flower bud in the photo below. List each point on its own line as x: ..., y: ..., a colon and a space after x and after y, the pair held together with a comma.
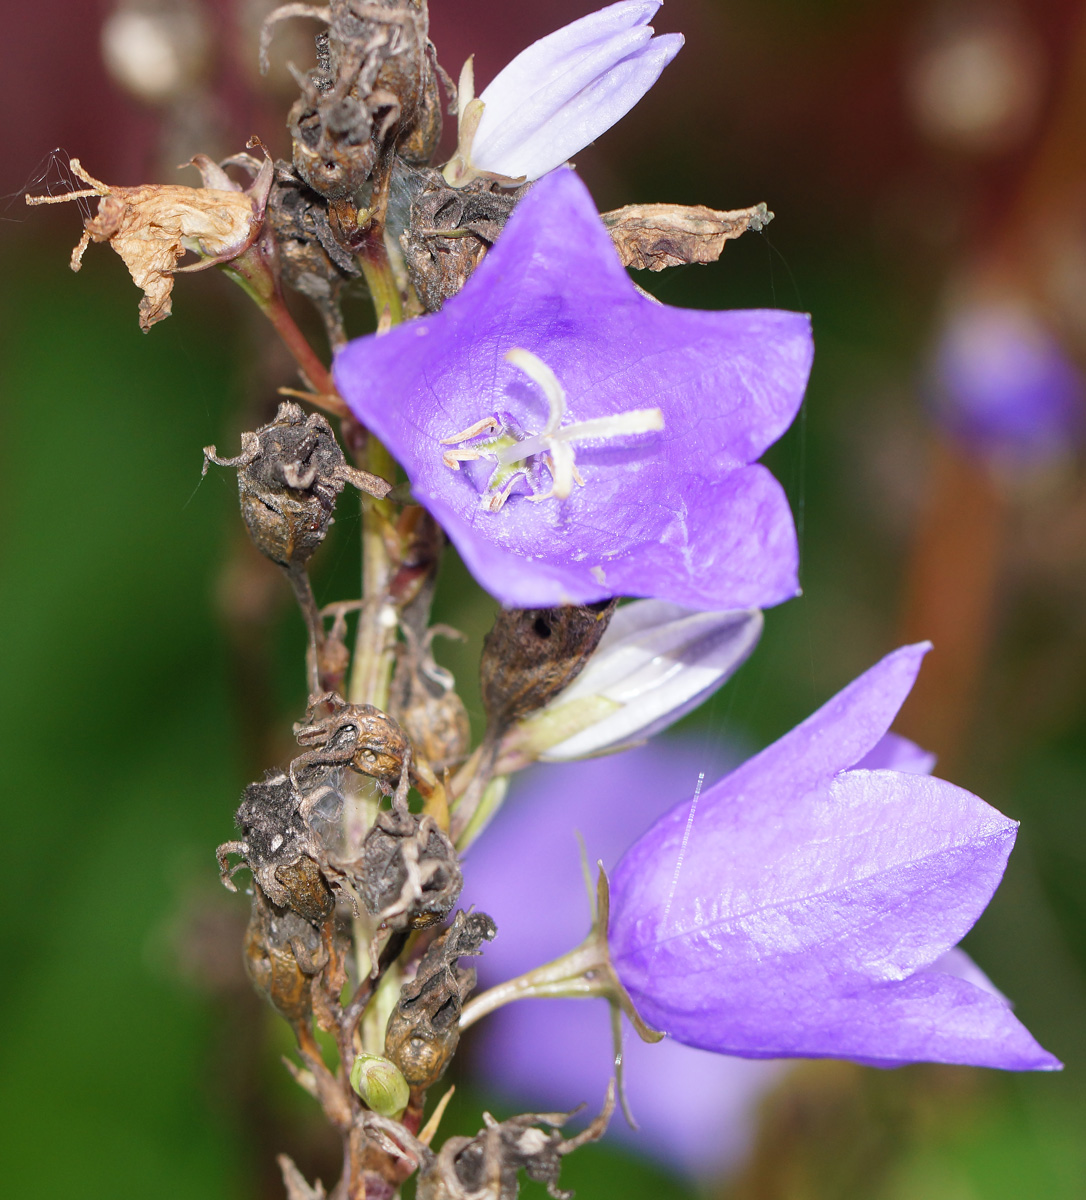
x: 528, y: 412
x: 1004, y: 386
x: 561, y: 93
x: 803, y: 905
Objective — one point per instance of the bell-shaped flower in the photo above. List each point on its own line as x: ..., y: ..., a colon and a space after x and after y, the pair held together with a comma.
x: 655, y: 663
x: 577, y: 440
x: 805, y: 904
x: 1004, y: 386
x: 694, y: 1110
x: 559, y: 95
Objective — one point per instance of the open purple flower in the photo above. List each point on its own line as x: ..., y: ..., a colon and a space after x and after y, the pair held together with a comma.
x: 559, y: 94
x: 803, y: 905
x: 576, y: 439
x: 694, y: 1109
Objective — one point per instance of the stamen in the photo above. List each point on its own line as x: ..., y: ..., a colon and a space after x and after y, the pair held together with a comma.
x: 500, y: 439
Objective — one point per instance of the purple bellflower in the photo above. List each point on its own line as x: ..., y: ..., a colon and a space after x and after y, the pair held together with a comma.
x: 694, y: 1109
x: 804, y: 905
x: 559, y: 95
x: 1004, y: 386
x: 577, y: 440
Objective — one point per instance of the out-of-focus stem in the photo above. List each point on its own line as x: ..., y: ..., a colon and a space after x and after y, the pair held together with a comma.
x: 371, y: 673
x: 256, y: 273
x: 950, y: 591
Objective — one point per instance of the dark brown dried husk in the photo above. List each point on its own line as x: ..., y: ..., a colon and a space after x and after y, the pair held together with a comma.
x: 532, y: 653
x: 283, y: 952
x: 449, y: 231
x: 381, y: 874
x: 424, y: 1028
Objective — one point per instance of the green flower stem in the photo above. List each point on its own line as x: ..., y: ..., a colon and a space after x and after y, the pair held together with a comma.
x: 583, y: 973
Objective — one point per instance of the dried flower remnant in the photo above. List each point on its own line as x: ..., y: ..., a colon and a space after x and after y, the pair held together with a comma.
x: 448, y: 232
x: 558, y: 95
x: 283, y: 953
x: 152, y: 227
x: 290, y: 473
x: 424, y: 1027
x: 424, y: 702
x: 408, y: 874
x: 487, y: 1165
x: 651, y: 237
x: 358, y: 736
x: 680, y: 514
x: 275, y: 839
x: 374, y: 89
x: 804, y: 905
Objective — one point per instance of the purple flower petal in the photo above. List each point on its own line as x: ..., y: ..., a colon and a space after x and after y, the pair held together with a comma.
x: 794, y: 908
x: 563, y: 91
x: 695, y: 1110
x: 676, y: 514
x: 896, y: 753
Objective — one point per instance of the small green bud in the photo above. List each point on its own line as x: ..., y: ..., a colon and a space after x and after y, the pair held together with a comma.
x: 381, y: 1084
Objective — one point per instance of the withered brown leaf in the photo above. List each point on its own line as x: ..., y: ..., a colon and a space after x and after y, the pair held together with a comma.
x: 650, y: 237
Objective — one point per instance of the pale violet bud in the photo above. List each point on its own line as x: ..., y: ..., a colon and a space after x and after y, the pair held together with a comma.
x: 655, y: 663
x: 381, y: 1084
x: 559, y: 95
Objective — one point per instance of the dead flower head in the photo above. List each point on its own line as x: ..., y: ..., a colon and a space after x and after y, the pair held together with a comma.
x: 152, y: 226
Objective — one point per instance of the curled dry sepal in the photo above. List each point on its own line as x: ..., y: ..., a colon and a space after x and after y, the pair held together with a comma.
x: 804, y: 905
x: 152, y: 226
x: 681, y: 513
x: 487, y: 1166
x: 651, y: 237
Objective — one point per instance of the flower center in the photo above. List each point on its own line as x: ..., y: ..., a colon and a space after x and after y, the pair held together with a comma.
x: 518, y: 454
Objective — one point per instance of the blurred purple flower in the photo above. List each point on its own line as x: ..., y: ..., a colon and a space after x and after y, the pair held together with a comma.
x: 676, y: 513
x: 560, y: 94
x: 526, y: 872
x: 1005, y: 386
x: 800, y: 908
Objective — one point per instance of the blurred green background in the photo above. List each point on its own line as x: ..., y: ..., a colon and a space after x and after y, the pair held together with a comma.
x: 151, y: 666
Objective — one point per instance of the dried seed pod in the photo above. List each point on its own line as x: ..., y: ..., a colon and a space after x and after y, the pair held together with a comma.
x: 275, y: 837
x: 375, y: 86
x: 283, y: 952
x: 290, y: 472
x: 358, y: 736
x: 486, y: 1167
x: 449, y: 231
x: 532, y: 653
x: 408, y: 875
x: 311, y: 261
x: 423, y: 1029
x: 424, y: 702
